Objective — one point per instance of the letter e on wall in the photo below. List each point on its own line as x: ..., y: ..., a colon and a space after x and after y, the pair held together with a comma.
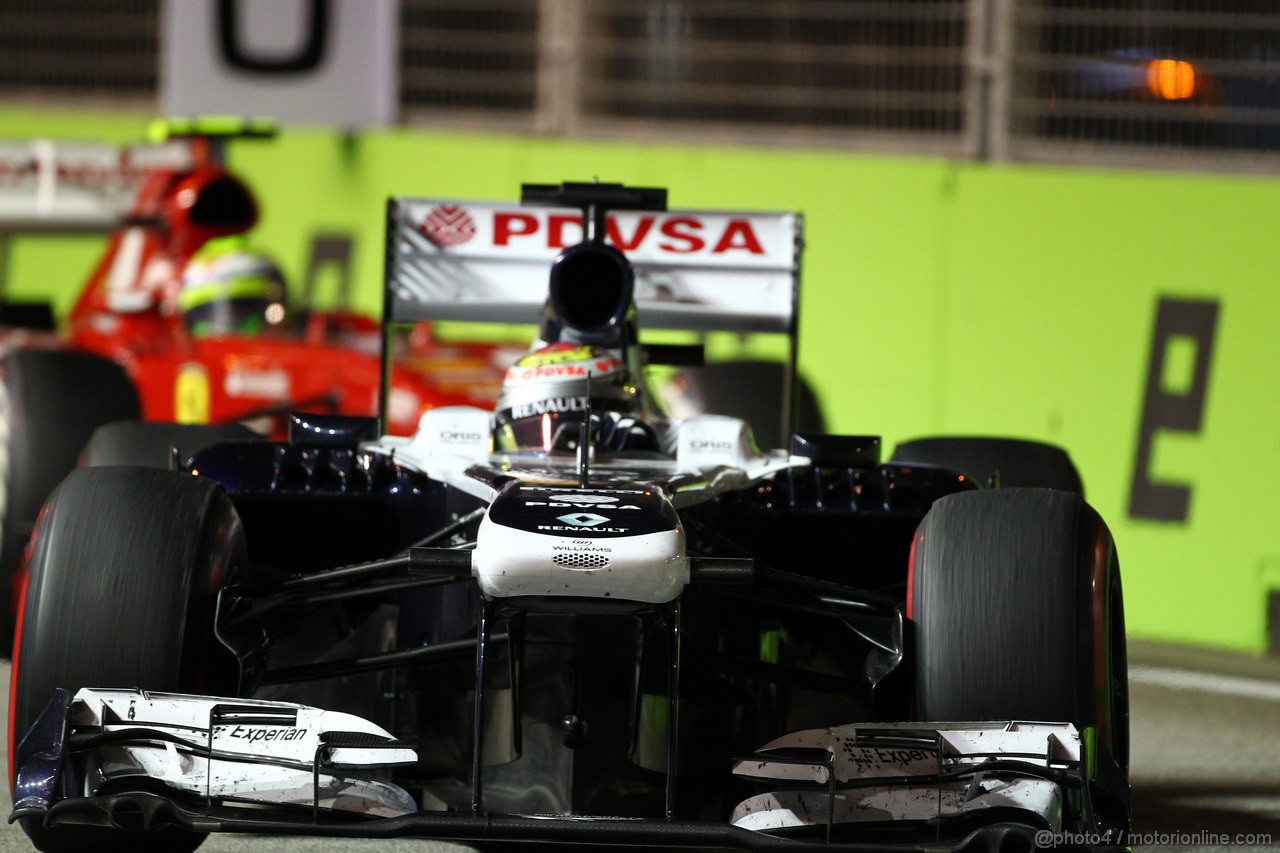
x: 1176, y: 390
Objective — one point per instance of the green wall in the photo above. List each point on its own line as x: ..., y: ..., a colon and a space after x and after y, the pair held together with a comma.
x: 938, y: 297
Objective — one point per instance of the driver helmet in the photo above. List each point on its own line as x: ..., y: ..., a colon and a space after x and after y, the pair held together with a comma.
x: 228, y: 289
x: 545, y: 396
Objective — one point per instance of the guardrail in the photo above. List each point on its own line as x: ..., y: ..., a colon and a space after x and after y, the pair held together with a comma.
x: 1148, y: 83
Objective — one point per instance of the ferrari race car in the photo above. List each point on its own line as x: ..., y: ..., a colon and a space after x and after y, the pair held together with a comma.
x: 574, y: 618
x: 126, y: 351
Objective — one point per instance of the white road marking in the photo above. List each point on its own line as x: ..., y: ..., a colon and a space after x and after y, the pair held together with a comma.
x: 1184, y: 679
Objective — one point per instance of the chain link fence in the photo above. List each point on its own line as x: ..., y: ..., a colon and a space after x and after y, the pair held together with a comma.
x: 1150, y: 83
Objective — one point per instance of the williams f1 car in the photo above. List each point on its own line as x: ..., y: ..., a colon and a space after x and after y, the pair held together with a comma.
x: 574, y: 618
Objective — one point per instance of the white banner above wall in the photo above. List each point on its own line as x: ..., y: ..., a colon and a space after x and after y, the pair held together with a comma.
x: 324, y: 62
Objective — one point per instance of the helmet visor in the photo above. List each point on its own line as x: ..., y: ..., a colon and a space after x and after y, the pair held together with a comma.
x: 233, y: 317
x: 560, y: 430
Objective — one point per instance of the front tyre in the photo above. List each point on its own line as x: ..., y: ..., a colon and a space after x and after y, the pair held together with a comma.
x: 124, y: 572
x: 1015, y: 599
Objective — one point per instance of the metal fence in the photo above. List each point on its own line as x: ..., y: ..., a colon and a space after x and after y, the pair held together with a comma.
x: 67, y: 50
x: 1173, y: 82
x: 1151, y: 83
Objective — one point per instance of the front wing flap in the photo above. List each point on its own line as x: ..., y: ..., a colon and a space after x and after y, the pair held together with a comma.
x: 240, y: 750
x: 923, y: 773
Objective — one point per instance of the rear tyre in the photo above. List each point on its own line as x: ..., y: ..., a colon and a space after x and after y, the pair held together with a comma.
x: 748, y: 389
x: 1017, y: 610
x: 125, y: 567
x: 149, y: 444
x: 50, y: 401
x: 1005, y: 461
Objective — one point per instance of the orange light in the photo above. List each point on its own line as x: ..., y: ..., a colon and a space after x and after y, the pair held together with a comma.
x: 1171, y: 79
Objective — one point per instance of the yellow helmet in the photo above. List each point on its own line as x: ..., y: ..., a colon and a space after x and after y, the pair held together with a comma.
x: 228, y: 289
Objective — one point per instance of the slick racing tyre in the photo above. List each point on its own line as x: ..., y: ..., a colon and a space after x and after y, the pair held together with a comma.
x: 1014, y: 596
x: 151, y: 444
x: 50, y: 401
x: 123, y: 576
x: 999, y: 461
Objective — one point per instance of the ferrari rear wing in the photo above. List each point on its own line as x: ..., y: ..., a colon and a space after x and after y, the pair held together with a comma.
x: 79, y: 187
x: 74, y: 187
x: 83, y: 187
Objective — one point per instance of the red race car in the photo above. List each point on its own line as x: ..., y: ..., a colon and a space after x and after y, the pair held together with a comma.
x: 181, y: 321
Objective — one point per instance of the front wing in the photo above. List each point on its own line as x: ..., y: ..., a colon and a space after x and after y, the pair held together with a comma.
x: 118, y: 758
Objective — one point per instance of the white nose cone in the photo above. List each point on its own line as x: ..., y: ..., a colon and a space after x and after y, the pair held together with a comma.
x: 599, y: 543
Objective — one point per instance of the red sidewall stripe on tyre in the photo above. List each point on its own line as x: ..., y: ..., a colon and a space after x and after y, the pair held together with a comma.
x: 13, y: 677
x: 911, y: 576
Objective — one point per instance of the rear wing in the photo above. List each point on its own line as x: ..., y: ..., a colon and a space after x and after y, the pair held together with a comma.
x: 77, y: 187
x: 699, y: 270
x: 695, y: 270
x: 70, y: 187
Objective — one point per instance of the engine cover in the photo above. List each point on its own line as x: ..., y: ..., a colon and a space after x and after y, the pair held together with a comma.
x: 622, y: 543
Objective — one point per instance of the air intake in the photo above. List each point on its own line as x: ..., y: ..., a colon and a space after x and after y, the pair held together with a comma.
x: 581, y: 562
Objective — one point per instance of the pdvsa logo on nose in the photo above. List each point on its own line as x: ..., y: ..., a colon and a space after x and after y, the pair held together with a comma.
x: 579, y: 503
